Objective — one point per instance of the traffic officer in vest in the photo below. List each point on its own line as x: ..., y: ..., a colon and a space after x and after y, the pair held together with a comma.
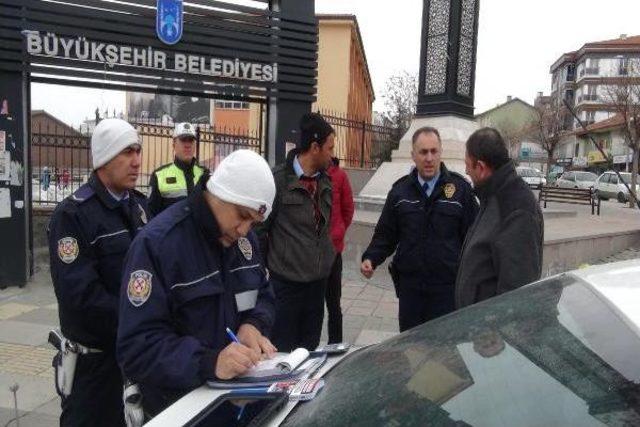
x: 89, y: 235
x: 193, y: 272
x: 174, y: 181
x: 424, y: 221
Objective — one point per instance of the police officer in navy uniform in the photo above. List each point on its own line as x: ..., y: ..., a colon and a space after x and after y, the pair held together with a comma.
x: 424, y: 221
x: 174, y: 181
x: 89, y: 235
x: 193, y: 272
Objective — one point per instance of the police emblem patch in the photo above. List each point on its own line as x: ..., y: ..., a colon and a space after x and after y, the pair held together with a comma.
x: 449, y: 190
x: 245, y: 247
x: 68, y: 250
x: 139, y: 288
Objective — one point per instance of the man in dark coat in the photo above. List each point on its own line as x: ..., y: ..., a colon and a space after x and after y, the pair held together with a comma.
x: 503, y: 249
x: 425, y: 220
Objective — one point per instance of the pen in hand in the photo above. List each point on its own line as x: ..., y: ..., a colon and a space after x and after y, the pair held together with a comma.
x: 233, y: 336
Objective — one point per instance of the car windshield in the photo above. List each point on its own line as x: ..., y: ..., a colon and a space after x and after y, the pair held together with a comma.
x: 586, y: 176
x: 548, y: 354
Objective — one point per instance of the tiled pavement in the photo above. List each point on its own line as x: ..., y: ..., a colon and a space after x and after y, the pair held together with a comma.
x: 27, y: 315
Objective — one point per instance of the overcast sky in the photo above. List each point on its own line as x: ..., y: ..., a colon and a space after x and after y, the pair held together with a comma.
x: 518, y: 41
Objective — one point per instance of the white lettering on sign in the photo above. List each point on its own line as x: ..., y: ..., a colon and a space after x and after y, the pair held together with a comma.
x: 82, y: 49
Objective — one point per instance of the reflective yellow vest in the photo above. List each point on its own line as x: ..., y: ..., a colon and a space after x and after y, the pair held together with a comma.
x: 172, y: 184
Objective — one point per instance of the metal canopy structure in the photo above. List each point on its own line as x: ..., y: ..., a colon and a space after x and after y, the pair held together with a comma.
x: 261, y: 51
x: 213, y: 29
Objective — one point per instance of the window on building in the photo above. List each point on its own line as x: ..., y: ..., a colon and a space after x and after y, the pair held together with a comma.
x: 577, y: 150
x: 592, y: 93
x: 232, y: 105
x: 571, y: 72
x: 593, y: 66
x: 623, y: 66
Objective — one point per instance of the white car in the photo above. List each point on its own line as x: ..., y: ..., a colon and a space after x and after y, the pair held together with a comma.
x: 609, y: 186
x: 532, y: 177
x: 577, y: 179
x: 561, y: 351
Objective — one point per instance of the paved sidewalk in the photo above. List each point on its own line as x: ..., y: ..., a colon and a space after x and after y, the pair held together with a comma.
x: 27, y: 315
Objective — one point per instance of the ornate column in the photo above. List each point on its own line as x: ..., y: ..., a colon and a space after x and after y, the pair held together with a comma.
x: 445, y: 92
x: 448, y: 58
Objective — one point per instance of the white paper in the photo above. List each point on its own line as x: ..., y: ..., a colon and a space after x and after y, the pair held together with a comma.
x: 274, y: 366
x: 19, y: 204
x: 5, y: 166
x: 5, y: 203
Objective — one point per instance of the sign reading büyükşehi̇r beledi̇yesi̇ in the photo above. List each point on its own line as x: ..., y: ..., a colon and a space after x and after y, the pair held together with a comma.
x: 83, y: 49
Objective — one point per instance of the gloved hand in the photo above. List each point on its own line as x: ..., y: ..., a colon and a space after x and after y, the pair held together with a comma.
x: 132, y: 399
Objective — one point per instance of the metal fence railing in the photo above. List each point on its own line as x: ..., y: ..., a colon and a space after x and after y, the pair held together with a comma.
x: 360, y: 144
x: 61, y: 156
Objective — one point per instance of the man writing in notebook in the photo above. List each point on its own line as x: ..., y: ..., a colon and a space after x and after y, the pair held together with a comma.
x: 194, y: 272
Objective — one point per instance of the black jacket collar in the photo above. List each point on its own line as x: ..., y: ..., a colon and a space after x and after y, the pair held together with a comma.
x: 102, y: 193
x: 184, y: 166
x: 496, y: 182
x: 202, y: 213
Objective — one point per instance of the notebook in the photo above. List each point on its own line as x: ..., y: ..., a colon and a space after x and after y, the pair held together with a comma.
x: 279, y: 364
x: 269, y: 373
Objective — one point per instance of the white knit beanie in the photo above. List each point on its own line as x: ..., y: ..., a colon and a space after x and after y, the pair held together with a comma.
x: 244, y: 178
x: 109, y: 138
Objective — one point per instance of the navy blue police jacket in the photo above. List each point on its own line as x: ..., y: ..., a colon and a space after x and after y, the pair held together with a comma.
x: 89, y: 235
x: 426, y: 233
x: 180, y: 290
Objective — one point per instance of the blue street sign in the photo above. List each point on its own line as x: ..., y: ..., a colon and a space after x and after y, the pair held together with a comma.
x: 169, y: 21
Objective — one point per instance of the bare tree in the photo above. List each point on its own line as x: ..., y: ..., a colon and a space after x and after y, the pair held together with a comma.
x: 400, y: 99
x: 623, y: 96
x: 548, y: 127
x: 514, y: 134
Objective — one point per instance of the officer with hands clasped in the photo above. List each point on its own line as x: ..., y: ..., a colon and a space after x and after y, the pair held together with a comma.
x: 89, y: 235
x: 193, y: 272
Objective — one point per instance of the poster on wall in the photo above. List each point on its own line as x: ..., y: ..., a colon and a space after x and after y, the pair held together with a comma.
x: 168, y: 109
x: 5, y: 166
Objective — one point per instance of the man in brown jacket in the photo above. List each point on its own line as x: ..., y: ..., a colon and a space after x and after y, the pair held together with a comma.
x: 296, y: 238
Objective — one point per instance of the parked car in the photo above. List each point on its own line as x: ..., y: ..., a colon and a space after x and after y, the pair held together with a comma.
x: 577, y: 179
x: 562, y: 351
x: 553, y: 176
x: 531, y: 176
x: 608, y: 186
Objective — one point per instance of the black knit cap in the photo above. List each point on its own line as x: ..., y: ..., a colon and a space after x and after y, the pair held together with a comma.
x: 313, y: 128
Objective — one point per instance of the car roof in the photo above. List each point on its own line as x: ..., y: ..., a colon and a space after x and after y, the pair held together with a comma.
x: 619, y: 286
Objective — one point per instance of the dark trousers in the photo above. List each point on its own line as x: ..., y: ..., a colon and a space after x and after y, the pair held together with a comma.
x: 299, y: 314
x: 96, y: 397
x: 332, y: 298
x: 417, y: 306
